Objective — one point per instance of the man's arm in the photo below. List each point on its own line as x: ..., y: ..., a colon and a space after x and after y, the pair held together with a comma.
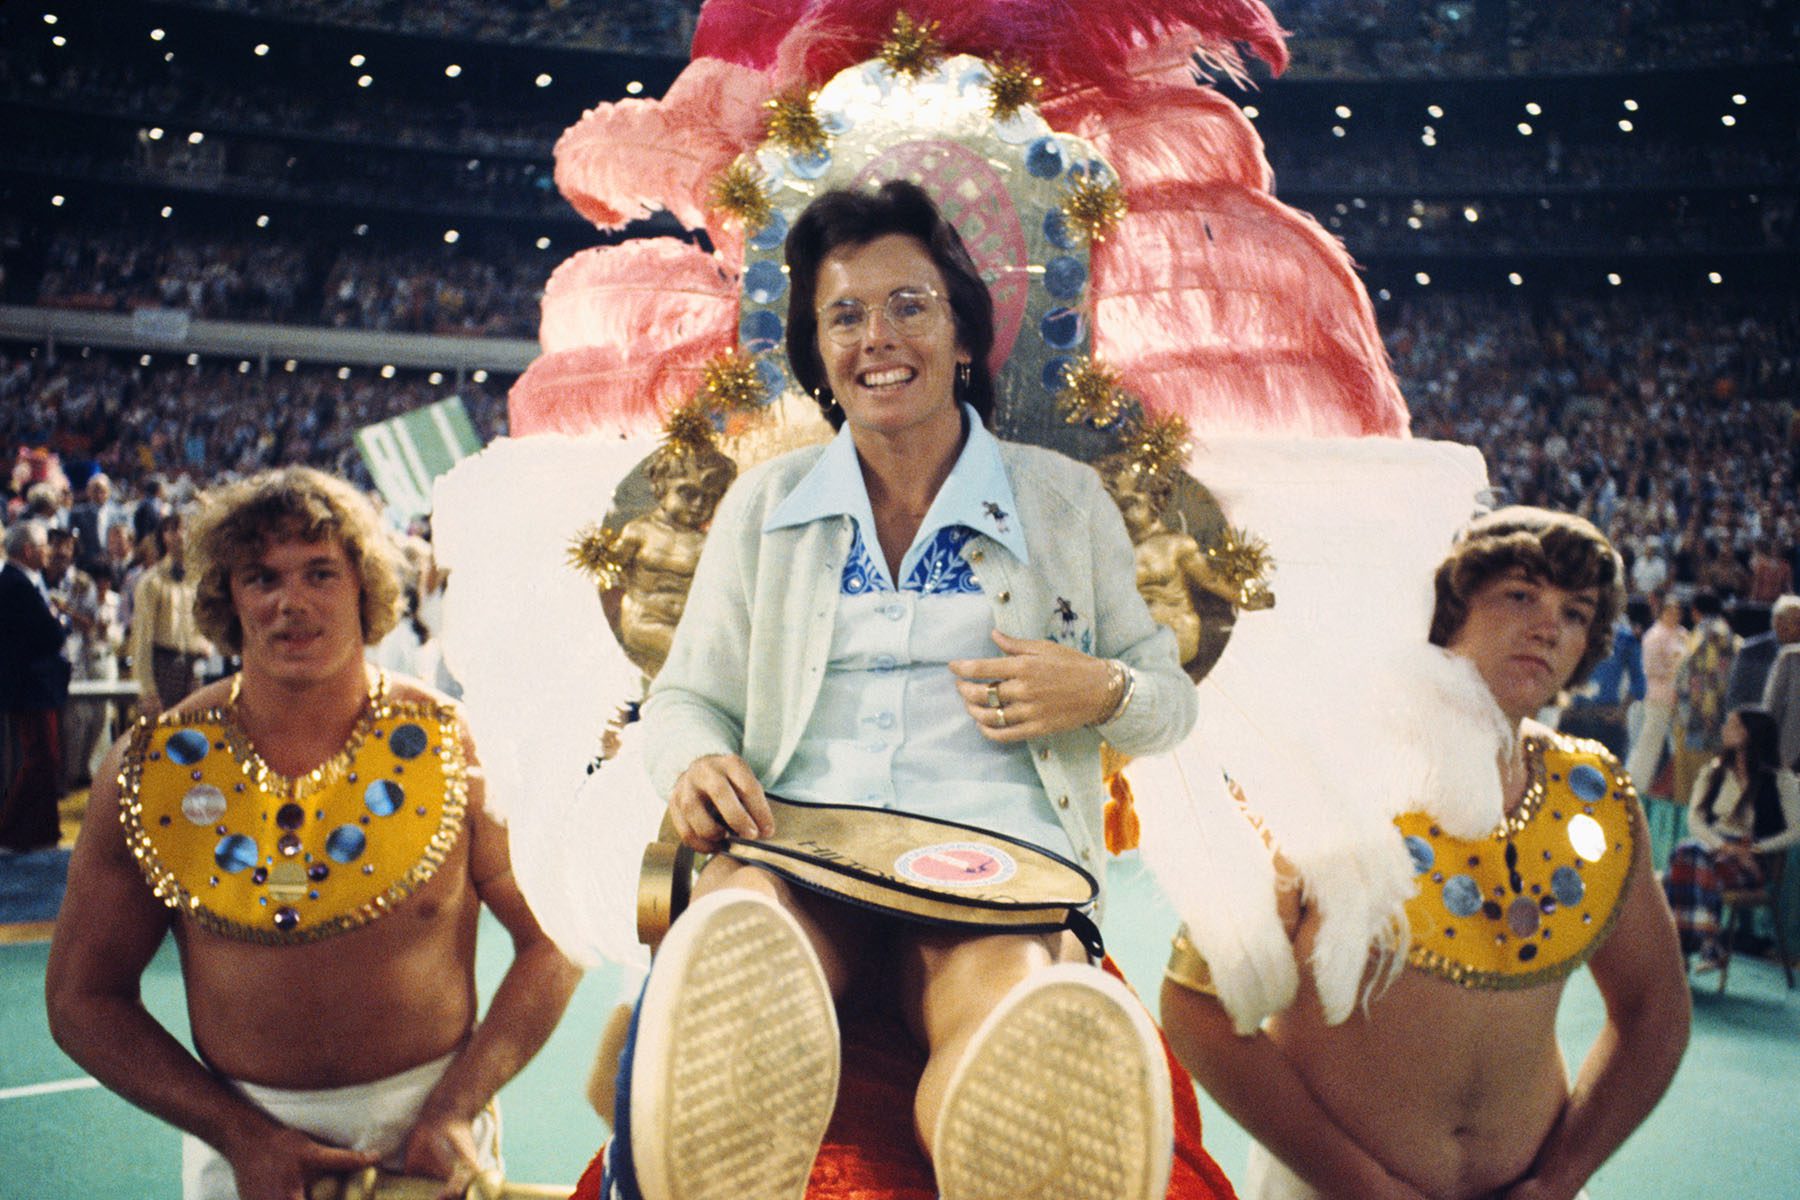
x: 108, y: 930
x: 1253, y: 1081
x: 1639, y: 972
x: 519, y: 1020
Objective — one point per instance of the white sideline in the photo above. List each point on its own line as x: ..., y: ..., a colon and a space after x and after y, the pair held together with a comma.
x: 45, y: 1089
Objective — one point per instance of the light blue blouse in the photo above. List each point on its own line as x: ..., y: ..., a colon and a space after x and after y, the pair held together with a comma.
x: 889, y: 729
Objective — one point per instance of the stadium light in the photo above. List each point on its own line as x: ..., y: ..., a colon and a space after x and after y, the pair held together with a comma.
x: 1534, y: 109
x: 480, y: 376
x: 450, y: 237
x: 1471, y: 214
x: 1631, y: 106
x: 363, y: 81
x: 1251, y: 111
x: 1739, y: 99
x: 49, y: 18
x: 634, y: 87
x: 193, y: 360
x: 261, y: 50
x: 543, y: 243
x: 243, y: 366
x: 1422, y: 279
x: 56, y: 201
x: 143, y: 360
x: 436, y: 378
x: 196, y: 137
x: 1524, y: 129
x: 452, y: 71
x: 169, y: 57
x: 262, y: 221
x: 1337, y: 131
x: 1625, y: 125
x: 343, y: 372
x: 1612, y: 277
x: 362, y: 230
x: 387, y: 371
x: 290, y: 366
x: 59, y: 40
x: 167, y: 211
x: 157, y: 35
x: 1435, y: 111
x: 1728, y: 120
x: 1343, y: 112
x: 1514, y: 278
x: 156, y: 134
x: 357, y: 60
x: 544, y: 80
x: 1414, y: 223
x: 1714, y: 277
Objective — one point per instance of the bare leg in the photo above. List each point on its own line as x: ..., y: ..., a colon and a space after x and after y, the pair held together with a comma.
x: 950, y: 982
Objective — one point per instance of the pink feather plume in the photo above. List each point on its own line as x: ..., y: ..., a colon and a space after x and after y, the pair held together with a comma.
x: 625, y: 160
x: 1072, y: 43
x: 626, y: 331
x: 644, y: 294
x: 1157, y: 133
x: 1221, y: 304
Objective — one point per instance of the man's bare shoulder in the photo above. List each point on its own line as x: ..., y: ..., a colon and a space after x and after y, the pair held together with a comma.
x: 214, y: 695
x: 404, y: 689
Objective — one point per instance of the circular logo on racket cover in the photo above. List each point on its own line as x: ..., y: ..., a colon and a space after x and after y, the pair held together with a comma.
x: 956, y: 864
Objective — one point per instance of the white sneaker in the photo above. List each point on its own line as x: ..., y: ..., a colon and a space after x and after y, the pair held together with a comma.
x: 1063, y: 1094
x: 735, y: 1067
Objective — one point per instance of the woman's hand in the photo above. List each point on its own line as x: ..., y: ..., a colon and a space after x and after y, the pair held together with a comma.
x: 1039, y: 688
x: 716, y: 796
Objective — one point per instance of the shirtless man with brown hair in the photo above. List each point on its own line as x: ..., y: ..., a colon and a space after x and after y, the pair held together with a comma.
x: 1450, y: 1085
x: 315, y: 835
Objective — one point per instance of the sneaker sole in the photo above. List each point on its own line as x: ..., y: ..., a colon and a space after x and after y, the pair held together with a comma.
x: 1063, y: 1094
x: 736, y: 1059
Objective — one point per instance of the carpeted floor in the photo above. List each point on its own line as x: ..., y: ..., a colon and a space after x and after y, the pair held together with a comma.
x: 31, y: 885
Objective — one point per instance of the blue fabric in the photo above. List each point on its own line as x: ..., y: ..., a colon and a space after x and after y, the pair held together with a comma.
x: 618, y: 1179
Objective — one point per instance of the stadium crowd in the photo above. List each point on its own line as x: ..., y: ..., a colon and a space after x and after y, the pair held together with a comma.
x: 306, y: 280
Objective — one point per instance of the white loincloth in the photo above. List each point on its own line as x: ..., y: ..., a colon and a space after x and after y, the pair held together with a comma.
x: 1268, y: 1178
x: 364, y: 1116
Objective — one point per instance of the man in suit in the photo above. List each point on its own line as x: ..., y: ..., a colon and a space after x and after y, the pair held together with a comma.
x: 89, y: 520
x: 34, y: 687
x: 1756, y: 658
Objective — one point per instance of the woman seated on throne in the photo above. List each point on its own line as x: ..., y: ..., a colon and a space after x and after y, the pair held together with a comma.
x: 917, y: 618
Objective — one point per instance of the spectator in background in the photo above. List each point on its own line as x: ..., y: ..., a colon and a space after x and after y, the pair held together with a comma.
x: 34, y: 686
x: 1665, y: 645
x: 1599, y: 708
x: 166, y: 643
x: 1700, y: 684
x: 89, y: 520
x: 1756, y: 657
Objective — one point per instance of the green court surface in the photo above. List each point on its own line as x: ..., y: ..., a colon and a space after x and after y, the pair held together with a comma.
x: 1724, y: 1130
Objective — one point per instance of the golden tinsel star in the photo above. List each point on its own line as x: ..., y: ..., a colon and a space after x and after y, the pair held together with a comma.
x: 912, y: 47
x: 1158, y: 446
x: 738, y: 191
x: 729, y: 383
x: 1011, y: 86
x: 793, y: 125
x: 1091, y: 394
x: 1241, y: 559
x: 595, y: 552
x: 1094, y: 207
x: 685, y: 430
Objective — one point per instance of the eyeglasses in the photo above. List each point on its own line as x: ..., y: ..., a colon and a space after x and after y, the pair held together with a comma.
x: 909, y: 312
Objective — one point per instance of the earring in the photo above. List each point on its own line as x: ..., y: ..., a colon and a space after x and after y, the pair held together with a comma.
x: 963, y: 374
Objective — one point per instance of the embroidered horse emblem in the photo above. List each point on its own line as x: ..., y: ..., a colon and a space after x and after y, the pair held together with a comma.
x: 995, y: 513
x: 1066, y: 611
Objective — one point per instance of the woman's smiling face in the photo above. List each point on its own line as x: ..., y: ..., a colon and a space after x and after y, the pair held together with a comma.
x: 888, y: 382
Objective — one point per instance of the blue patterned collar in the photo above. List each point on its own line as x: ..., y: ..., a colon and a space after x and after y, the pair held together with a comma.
x: 976, y: 495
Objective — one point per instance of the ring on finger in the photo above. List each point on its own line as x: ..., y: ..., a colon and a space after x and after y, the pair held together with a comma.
x: 1000, y: 716
x: 993, y: 695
